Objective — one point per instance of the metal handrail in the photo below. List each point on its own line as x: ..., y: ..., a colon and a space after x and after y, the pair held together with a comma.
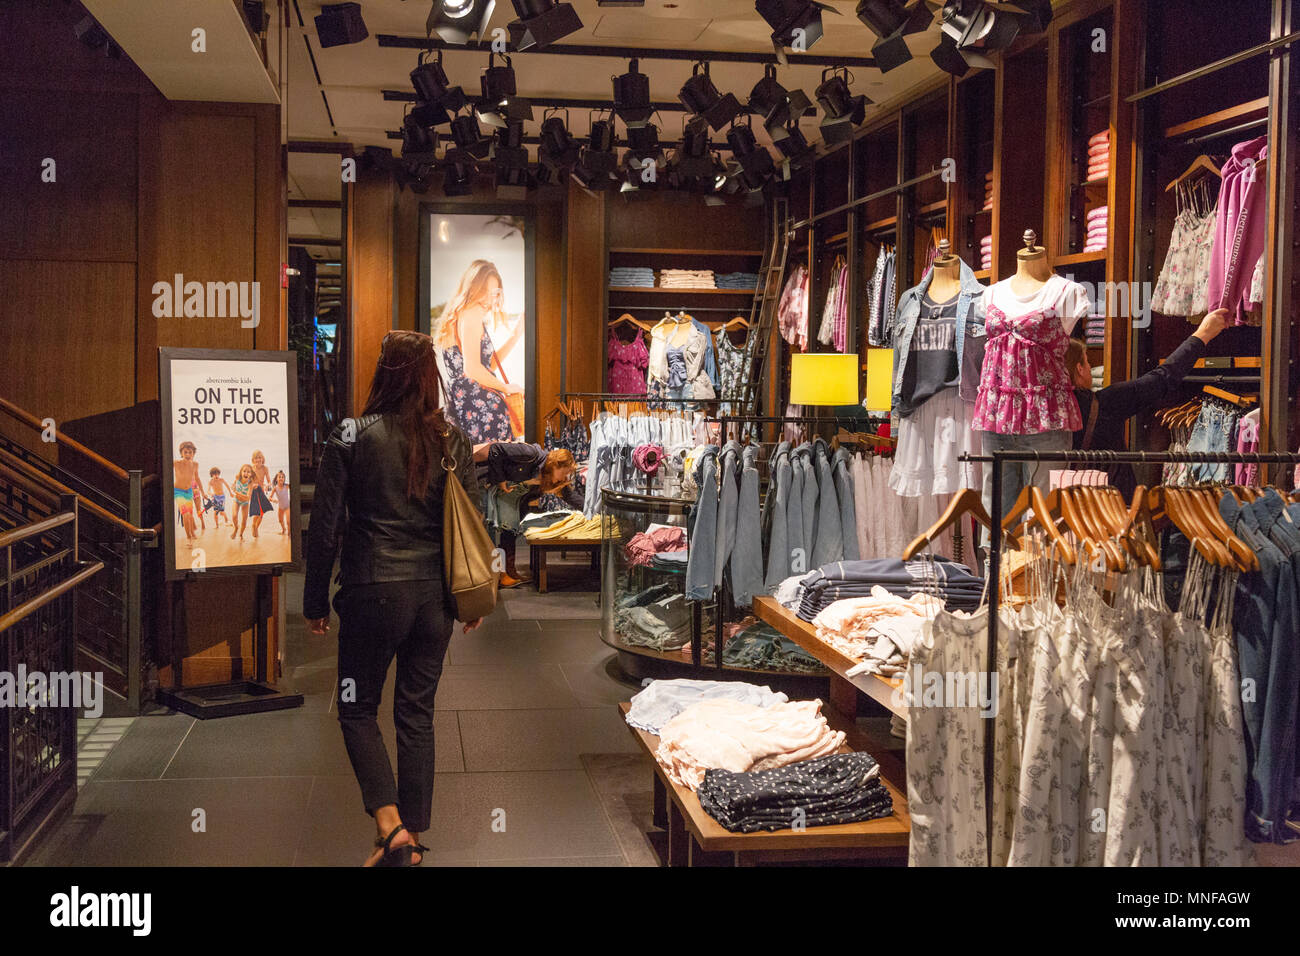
x: 31, y: 421
x: 35, y: 604
x: 35, y: 528
x: 148, y: 534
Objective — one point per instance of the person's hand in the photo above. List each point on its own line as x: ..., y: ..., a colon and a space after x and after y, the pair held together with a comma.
x: 1212, y: 325
x: 473, y: 625
x: 319, y: 625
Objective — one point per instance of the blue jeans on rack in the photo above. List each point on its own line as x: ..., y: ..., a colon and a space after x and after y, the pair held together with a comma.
x: 1212, y: 432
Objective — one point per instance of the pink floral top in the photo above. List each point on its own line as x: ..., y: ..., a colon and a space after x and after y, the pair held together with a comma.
x: 1024, y: 386
x: 627, y: 364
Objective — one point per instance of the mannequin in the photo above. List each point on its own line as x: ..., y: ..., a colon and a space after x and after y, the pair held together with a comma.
x: 946, y: 279
x: 1025, y: 401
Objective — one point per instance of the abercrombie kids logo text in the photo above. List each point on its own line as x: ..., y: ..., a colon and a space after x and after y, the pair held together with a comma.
x: 213, y: 300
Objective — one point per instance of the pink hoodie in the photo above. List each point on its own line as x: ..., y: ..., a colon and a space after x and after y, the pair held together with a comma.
x: 1238, y: 229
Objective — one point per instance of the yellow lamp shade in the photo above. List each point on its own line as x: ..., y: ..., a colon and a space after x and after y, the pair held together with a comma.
x: 880, y: 380
x: 823, y: 378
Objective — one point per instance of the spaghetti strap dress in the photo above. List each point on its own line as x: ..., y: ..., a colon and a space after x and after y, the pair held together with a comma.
x: 479, y: 412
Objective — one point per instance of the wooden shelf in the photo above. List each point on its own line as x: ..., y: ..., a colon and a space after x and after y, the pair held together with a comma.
x: 933, y: 207
x: 1252, y: 109
x: 1081, y: 258
x: 711, y: 837
x: 838, y: 237
x: 687, y: 252
x: 880, y: 224
x: 678, y: 291
x: 804, y: 634
x: 983, y: 273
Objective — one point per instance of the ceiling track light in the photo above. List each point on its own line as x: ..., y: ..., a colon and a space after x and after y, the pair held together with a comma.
x: 419, y: 143
x: 455, y: 21
x: 632, y: 96
x: 796, y: 24
x: 753, y: 159
x: 891, y: 22
x: 467, y: 135
x: 339, y: 24
x: 777, y: 105
x: 542, y: 22
x: 843, y: 111
x: 501, y: 104
x: 691, y: 161
x: 458, y: 174
x: 429, y: 79
x: 700, y: 96
x: 557, y: 148
x: 977, y: 29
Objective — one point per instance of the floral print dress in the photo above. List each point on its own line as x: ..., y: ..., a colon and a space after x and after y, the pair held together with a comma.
x: 479, y: 412
x: 628, y: 362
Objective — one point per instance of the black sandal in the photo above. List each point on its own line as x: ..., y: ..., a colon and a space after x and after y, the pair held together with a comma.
x: 399, y: 856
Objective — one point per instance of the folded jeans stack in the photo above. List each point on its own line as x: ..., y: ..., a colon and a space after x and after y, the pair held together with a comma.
x: 841, y: 788
x: 1098, y: 156
x: 742, y: 281
x: 954, y: 583
x: 631, y: 277
x: 663, y: 624
x: 662, y: 700
x: 1097, y: 230
x: 986, y: 252
x: 730, y: 735
x: 686, y: 279
x: 757, y: 646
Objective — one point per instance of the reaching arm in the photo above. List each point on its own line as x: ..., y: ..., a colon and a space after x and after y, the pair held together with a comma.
x: 327, y: 516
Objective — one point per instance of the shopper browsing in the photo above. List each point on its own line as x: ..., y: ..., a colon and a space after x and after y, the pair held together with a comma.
x: 379, y: 506
x: 1106, y: 411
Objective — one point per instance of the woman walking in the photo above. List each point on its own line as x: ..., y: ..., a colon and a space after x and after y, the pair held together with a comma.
x: 379, y: 492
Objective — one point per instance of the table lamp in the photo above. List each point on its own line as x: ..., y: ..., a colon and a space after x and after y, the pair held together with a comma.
x: 880, y: 380
x: 823, y: 378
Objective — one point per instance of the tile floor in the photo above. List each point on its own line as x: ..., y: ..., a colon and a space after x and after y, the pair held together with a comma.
x: 534, y: 764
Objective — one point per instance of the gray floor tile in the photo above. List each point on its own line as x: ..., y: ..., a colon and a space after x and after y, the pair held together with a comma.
x: 562, y: 861
x: 553, y: 642
x: 286, y: 743
x: 595, y: 682
x: 149, y: 822
x: 145, y: 750
x: 498, y: 688
x: 623, y: 784
x: 501, y: 740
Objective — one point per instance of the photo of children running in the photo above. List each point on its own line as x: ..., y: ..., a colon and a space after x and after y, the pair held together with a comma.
x: 217, y: 488
x: 185, y: 473
x: 280, y: 492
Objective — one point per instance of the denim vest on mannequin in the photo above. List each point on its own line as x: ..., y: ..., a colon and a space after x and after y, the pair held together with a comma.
x: 970, y: 319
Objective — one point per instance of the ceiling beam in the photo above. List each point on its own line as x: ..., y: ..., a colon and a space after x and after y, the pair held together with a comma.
x: 628, y: 52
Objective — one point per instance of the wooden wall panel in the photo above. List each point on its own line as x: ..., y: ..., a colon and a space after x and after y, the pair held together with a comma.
x: 585, y: 289
x: 682, y: 221
x: 66, y: 336
x: 371, y: 206
x: 549, y: 351
x: 88, y: 212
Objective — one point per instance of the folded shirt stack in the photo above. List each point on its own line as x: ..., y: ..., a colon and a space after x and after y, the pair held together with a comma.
x: 1095, y: 330
x: 952, y: 582
x: 744, y: 281
x: 880, y: 630
x: 1096, y: 226
x: 1098, y: 156
x: 663, y: 624
x: 988, y: 190
x: 632, y: 277
x: 841, y: 788
x: 573, y: 527
x: 670, y: 560
x: 1098, y: 376
x: 986, y: 252
x: 686, y: 279
x: 735, y: 736
x: 662, y: 700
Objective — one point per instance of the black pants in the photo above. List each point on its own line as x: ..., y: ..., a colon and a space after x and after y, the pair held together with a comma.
x: 409, y: 620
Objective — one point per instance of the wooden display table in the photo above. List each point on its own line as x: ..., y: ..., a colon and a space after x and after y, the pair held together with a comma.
x: 696, y: 839
x: 843, y: 689
x: 538, y: 550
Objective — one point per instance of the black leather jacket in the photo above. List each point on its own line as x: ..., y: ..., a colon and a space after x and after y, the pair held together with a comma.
x: 361, y: 499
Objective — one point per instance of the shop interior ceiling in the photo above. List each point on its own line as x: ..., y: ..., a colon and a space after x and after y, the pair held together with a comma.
x: 337, y: 94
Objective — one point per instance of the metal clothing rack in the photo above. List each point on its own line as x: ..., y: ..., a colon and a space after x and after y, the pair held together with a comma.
x: 997, y: 459
x: 625, y: 397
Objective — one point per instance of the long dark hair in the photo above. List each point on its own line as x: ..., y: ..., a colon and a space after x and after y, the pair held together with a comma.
x: 406, y: 386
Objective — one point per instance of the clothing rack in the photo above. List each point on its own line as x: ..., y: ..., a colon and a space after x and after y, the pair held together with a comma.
x: 997, y: 459
x: 626, y: 397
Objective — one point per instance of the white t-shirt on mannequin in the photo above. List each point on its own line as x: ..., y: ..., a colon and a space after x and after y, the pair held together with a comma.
x: 1069, y: 299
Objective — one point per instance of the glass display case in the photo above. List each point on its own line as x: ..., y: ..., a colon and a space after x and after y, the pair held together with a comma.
x: 645, y: 614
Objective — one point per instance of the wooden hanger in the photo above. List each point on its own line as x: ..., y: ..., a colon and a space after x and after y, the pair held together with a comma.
x: 1227, y: 396
x: 626, y: 319
x: 1201, y: 165
x: 965, y: 502
x: 1243, y: 555
x: 1044, y: 509
x: 1166, y: 505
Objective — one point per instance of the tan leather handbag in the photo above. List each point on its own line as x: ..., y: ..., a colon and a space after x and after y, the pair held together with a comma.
x: 466, y: 551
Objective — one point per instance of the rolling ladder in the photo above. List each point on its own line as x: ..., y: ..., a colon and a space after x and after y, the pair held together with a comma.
x: 748, y: 397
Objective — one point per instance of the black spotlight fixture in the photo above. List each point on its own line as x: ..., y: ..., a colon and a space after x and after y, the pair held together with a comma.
x: 419, y: 143
x: 509, y: 149
x: 691, y: 161
x: 632, y: 96
x: 339, y: 24
x: 557, y: 148
x: 794, y: 146
x: 794, y: 23
x: 643, y: 141
x: 754, y: 159
x: 542, y: 22
x: 430, y: 114
x: 1037, y: 15
x: 458, y: 174
x: 513, y: 182
x: 455, y: 21
x: 430, y: 79
x: 891, y: 22
x: 597, y: 163
x: 777, y: 105
x: 468, y: 136
x: 843, y: 110
x: 89, y: 32
x: 699, y: 95
x: 978, y: 29
x: 501, y: 104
